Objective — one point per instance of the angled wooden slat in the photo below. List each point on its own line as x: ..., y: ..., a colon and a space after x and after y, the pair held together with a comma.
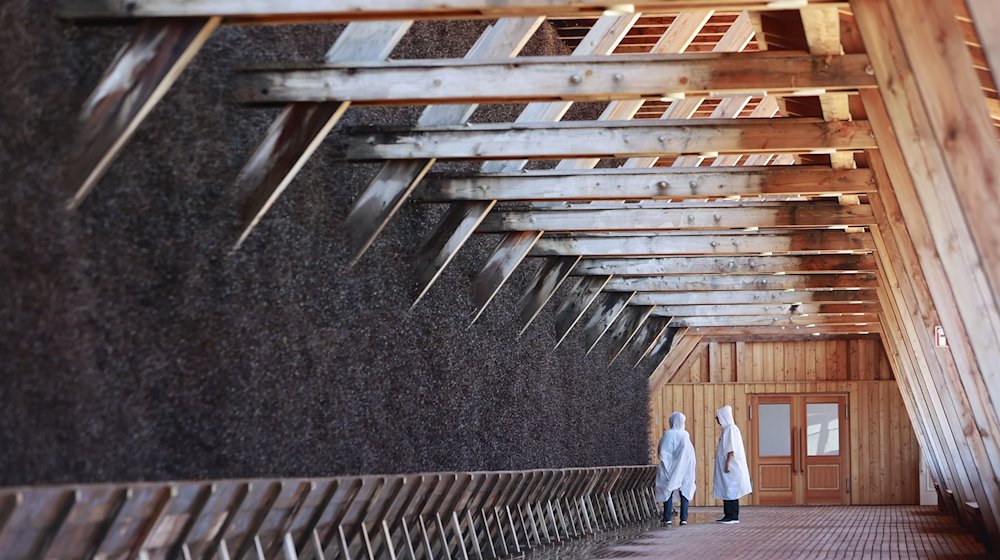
x: 300, y: 129
x: 797, y: 308
x: 671, y: 361
x: 607, y: 139
x: 140, y: 75
x: 389, y: 189
x: 725, y: 265
x: 243, y: 11
x: 602, y: 319
x: 458, y: 224
x: 985, y: 18
x: 633, y: 318
x: 863, y: 320
x: 573, y: 307
x: 418, y: 82
x: 715, y: 244
x: 766, y: 109
x: 601, y: 38
x: 494, y: 274
x: 701, y: 282
x: 797, y: 331
x: 755, y: 297
x: 643, y: 342
x: 556, y: 220
x: 549, y: 278
x: 654, y: 184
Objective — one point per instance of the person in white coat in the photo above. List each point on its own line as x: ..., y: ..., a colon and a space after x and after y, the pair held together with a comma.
x: 732, y: 476
x: 676, y: 471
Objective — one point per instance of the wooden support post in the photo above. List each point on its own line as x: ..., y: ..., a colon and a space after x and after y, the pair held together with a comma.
x: 300, y: 129
x: 652, y: 331
x: 511, y: 251
x: 572, y: 309
x: 549, y: 278
x: 609, y: 310
x: 634, y: 317
x: 140, y: 75
x: 672, y: 361
x: 456, y: 227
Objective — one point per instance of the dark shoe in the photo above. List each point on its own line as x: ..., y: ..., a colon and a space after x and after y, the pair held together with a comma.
x: 684, y: 522
x: 664, y: 523
x: 724, y: 519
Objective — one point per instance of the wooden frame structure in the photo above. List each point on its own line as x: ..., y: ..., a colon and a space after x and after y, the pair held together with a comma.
x: 816, y: 168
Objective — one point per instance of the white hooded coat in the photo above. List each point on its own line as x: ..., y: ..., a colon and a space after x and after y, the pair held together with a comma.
x: 734, y: 484
x: 677, y: 461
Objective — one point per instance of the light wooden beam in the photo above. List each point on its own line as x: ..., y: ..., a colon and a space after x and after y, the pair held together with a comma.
x: 667, y: 367
x: 140, y: 75
x: 651, y: 332
x: 716, y: 282
x: 610, y: 139
x: 863, y: 320
x: 648, y: 184
x: 604, y: 316
x: 550, y: 277
x: 498, y: 269
x: 434, y: 256
x: 420, y: 82
x: 314, y: 11
x: 717, y: 244
x: 633, y: 318
x: 725, y: 265
x: 582, y: 295
x: 300, y: 129
x: 797, y: 308
x: 755, y: 297
x: 747, y: 333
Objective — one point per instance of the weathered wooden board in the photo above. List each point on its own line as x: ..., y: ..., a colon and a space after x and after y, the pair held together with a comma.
x: 799, y: 242
x: 701, y: 282
x: 631, y: 266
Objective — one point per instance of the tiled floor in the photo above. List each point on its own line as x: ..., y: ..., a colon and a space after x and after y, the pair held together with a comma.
x: 896, y: 532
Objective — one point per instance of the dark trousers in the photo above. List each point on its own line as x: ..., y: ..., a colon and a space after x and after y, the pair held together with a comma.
x: 731, y: 509
x: 668, y: 507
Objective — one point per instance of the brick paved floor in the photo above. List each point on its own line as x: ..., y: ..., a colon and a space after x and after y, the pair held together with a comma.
x: 890, y: 532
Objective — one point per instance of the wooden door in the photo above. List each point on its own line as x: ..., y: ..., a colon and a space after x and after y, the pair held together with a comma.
x: 799, y: 449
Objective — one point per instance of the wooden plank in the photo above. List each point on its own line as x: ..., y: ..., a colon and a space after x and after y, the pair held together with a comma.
x: 607, y: 139
x: 550, y: 78
x: 811, y: 216
x: 671, y: 363
x: 651, y: 332
x: 549, y: 278
x: 700, y: 282
x: 653, y: 184
x: 984, y: 17
x: 776, y: 310
x: 725, y: 265
x: 300, y: 129
x: 498, y: 269
x: 633, y: 318
x: 661, y: 345
x: 864, y: 320
x: 573, y: 307
x: 458, y: 224
x: 139, y: 76
x: 758, y: 297
x: 610, y: 308
x: 792, y: 242
x: 797, y: 330
x: 390, y: 187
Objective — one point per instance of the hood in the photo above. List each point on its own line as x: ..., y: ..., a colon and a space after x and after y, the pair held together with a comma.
x: 677, y: 420
x: 725, y: 416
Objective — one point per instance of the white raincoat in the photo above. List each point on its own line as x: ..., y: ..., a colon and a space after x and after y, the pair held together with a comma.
x: 734, y: 484
x: 677, y: 461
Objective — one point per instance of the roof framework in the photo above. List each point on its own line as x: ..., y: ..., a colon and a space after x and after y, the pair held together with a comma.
x: 756, y: 173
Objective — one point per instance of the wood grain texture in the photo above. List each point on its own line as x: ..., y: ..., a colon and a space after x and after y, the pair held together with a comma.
x: 791, y: 242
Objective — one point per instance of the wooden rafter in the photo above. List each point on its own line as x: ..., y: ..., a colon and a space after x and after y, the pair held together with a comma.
x: 709, y: 244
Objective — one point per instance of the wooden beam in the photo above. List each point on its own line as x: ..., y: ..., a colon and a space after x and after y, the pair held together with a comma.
x: 573, y: 307
x: 797, y: 242
x: 671, y: 362
x: 813, y: 215
x: 797, y: 308
x: 388, y: 190
x: 788, y: 337
x: 725, y: 265
x: 462, y: 221
x: 863, y: 320
x: 300, y: 129
x: 652, y: 331
x: 702, y: 282
x: 434, y: 81
x: 610, y: 308
x: 140, y: 75
x: 633, y: 318
x: 498, y: 269
x: 313, y: 11
x: 747, y: 332
x: 987, y: 22
x: 549, y: 278
x: 755, y: 297
x: 607, y: 139
x: 649, y: 184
